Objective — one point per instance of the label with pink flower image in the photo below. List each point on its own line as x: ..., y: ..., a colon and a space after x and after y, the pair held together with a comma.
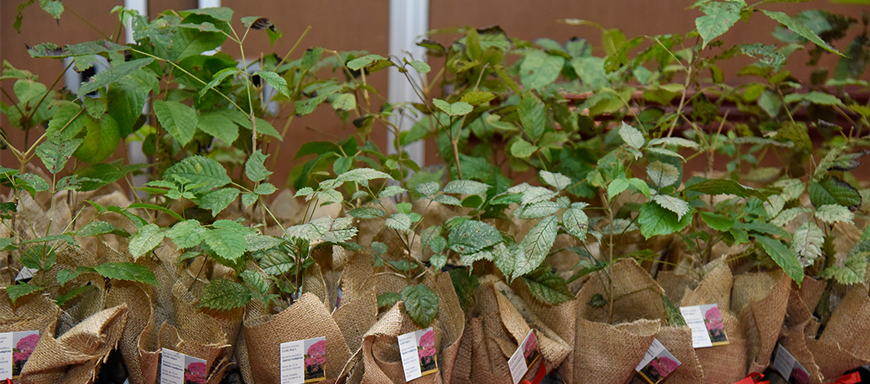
x: 178, y: 368
x: 657, y: 363
x: 789, y: 368
x: 419, y: 355
x: 708, y: 330
x: 303, y: 361
x: 15, y: 350
x: 523, y: 358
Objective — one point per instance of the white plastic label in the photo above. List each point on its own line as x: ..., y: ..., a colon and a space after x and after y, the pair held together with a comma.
x: 15, y: 350
x: 303, y: 361
x: 706, y: 323
x: 523, y: 358
x: 419, y: 356
x: 789, y: 368
x: 657, y: 363
x: 178, y: 368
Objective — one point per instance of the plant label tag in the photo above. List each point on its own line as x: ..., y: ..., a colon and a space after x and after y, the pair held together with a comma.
x: 178, y: 368
x: 25, y: 274
x: 303, y: 361
x: 789, y: 368
x: 708, y: 330
x: 657, y: 363
x: 419, y: 356
x: 15, y: 350
x: 526, y: 355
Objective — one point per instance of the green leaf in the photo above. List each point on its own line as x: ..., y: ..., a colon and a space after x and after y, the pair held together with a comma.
x: 226, y: 240
x: 814, y: 97
x: 725, y: 187
x: 800, y: 29
x: 119, y: 70
x: 388, y: 299
x: 148, y: 238
x: 261, y: 242
x: 597, y: 301
x: 275, y: 80
x: 678, y: 141
x: 762, y: 227
x: 178, y: 119
x: 533, y: 117
x: 832, y: 190
x: 717, y: 222
x: 675, y: 318
x: 186, y: 234
x: 360, y: 62
x: 399, y: 221
x: 127, y: 271
x: 55, y: 153
x: 366, y: 213
x: 17, y: 291
x: 219, y: 126
x: 537, y: 210
x: 438, y: 261
x: 556, y: 180
x: 248, y: 199
x: 217, y: 79
x: 53, y: 7
x: 421, y: 303
x: 427, y: 189
x: 853, y: 271
x: 662, y: 174
x: 344, y: 102
x: 783, y: 257
x: 477, y: 97
x: 96, y: 228
x: 832, y: 213
x: 62, y: 299
x: 421, y: 66
x: 788, y: 215
x: 218, y: 200
x: 472, y: 236
x: 458, y: 108
x: 655, y: 220
x: 255, y: 168
x: 591, y: 71
x: 536, y: 244
x: 466, y: 187
x: 673, y: 204
x: 808, y: 243
x: 189, y: 41
x: 522, y: 149
x: 391, y: 191
x: 540, y: 69
x: 224, y: 294
x: 69, y: 119
x: 265, y: 189
x: 548, y: 287
x: 38, y: 257
x: 631, y: 136
x: 203, y: 172
x: 256, y: 281
x: 718, y: 18
x: 575, y: 222
x: 361, y: 174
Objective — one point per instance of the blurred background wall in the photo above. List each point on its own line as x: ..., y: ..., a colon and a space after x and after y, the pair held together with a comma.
x: 365, y: 25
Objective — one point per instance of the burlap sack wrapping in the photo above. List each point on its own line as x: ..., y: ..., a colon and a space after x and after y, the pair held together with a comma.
x: 380, y: 348
x: 30, y: 313
x: 139, y: 315
x: 259, y: 357
x: 75, y: 356
x: 722, y: 364
x: 795, y: 342
x: 760, y: 300
x: 849, y: 326
x: 605, y: 353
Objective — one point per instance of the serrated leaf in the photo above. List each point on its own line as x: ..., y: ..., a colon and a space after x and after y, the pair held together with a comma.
x: 344, y: 102
x: 388, y: 299
x: 472, y: 236
x: 507, y: 257
x: 662, y: 174
x: 654, y: 220
x: 127, y: 271
x: 421, y: 304
x: 421, y: 66
x: 678, y: 141
x: 540, y: 69
x: 437, y: 244
x: 186, y: 234
x: 265, y: 189
x: 17, y: 291
x: 427, y: 189
x: 361, y: 175
x: 725, y: 187
x: 814, y: 97
x: 788, y: 215
x: 458, y: 108
x: 534, y: 195
x: 218, y: 200
x: 55, y: 153
x: 537, y: 210
x: 853, y: 271
x: 257, y: 281
x: 832, y: 190
x: 466, y: 187
x: 673, y: 204
x: 675, y: 318
x: 536, y: 245
x: 360, y: 62
x: 227, y: 243
x: 447, y: 200
x: 147, y: 238
x: 248, y: 199
x: 100, y: 141
x: 533, y: 116
x: 219, y: 126
x: 203, y: 172
x: 96, y: 228
x: 556, y: 180
x: 399, y: 221
x: 178, y: 119
x: 117, y: 71
x: 438, y: 261
x: 549, y: 288
x: 275, y: 80
x: 783, y: 257
x: 366, y: 213
x: 391, y: 191
x: 477, y: 97
x: 718, y: 18
x: 224, y: 294
x: 631, y: 136
x: 575, y: 222
x: 800, y: 29
x: 255, y: 168
x: 217, y: 79
x: 664, y: 152
x: 260, y: 242
x: 717, y: 221
x: 832, y: 213
x: 808, y: 242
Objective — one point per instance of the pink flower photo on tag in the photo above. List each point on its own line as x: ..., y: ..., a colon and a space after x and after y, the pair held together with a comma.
x: 315, y: 360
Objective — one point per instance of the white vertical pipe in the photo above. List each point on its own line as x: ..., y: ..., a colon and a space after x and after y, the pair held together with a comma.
x: 209, y: 3
x: 409, y: 21
x: 134, y: 149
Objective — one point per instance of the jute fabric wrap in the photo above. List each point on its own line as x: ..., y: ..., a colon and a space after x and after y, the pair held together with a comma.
x: 75, y: 356
x: 605, y: 353
x: 451, y: 320
x: 849, y: 326
x: 795, y: 341
x: 723, y: 364
x: 761, y: 300
x: 139, y: 315
x: 380, y: 348
x: 263, y: 334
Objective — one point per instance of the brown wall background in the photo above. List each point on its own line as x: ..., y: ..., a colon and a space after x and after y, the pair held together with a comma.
x: 363, y: 25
